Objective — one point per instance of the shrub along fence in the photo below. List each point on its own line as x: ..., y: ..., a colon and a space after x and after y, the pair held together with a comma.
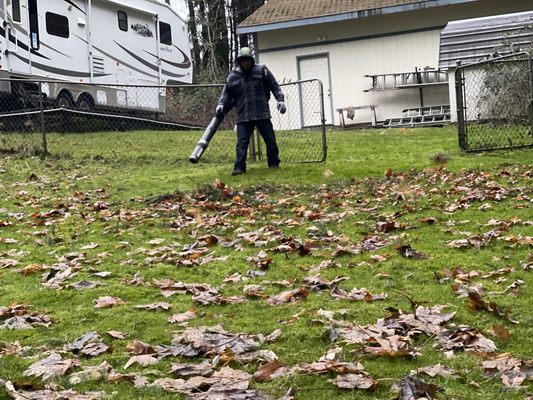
x: 64, y: 118
x: 495, y: 103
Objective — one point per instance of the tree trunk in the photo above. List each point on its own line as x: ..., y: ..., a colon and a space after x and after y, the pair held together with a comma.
x: 193, y: 33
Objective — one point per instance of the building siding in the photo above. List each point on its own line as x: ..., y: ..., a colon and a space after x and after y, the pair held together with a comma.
x: 371, y: 46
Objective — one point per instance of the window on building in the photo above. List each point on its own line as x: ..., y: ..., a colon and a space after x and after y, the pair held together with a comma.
x: 15, y: 11
x: 123, y: 21
x: 165, y: 33
x: 57, y: 25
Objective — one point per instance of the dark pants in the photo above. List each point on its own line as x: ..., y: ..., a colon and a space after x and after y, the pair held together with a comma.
x: 244, y: 133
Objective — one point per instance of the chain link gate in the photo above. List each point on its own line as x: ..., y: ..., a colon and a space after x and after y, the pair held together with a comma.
x: 494, y: 103
x: 147, y: 122
x: 301, y: 131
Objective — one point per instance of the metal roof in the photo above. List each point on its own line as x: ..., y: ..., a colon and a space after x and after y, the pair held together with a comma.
x: 473, y: 40
x: 281, y: 14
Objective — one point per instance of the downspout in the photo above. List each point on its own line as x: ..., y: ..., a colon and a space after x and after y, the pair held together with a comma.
x: 89, y: 39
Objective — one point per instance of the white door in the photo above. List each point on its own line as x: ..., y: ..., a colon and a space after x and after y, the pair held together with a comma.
x: 17, y: 41
x: 315, y: 67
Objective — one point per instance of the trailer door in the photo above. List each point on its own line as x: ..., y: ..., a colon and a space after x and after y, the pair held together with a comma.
x: 17, y: 48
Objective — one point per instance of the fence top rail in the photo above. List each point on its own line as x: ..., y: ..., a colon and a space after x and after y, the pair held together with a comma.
x: 121, y: 85
x: 505, y: 58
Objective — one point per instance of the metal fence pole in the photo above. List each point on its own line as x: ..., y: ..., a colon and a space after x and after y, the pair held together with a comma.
x: 252, y: 148
x: 459, y: 92
x: 258, y: 147
x: 323, y: 121
x: 41, y: 109
x: 530, y: 62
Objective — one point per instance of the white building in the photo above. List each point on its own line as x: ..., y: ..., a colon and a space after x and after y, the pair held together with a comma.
x: 343, y: 42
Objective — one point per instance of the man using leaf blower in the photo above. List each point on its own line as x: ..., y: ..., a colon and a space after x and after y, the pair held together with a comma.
x: 248, y: 89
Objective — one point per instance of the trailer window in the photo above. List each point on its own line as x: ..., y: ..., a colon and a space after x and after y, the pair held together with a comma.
x: 165, y: 33
x: 57, y: 25
x: 15, y: 11
x: 122, y: 21
x: 34, y: 24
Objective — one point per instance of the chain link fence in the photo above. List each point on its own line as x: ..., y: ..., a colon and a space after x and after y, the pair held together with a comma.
x: 494, y: 103
x: 112, y: 121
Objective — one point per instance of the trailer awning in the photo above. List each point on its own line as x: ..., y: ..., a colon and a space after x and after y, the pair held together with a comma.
x: 125, y: 4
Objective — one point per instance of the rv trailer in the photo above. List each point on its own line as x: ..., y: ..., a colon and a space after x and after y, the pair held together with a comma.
x: 83, y: 50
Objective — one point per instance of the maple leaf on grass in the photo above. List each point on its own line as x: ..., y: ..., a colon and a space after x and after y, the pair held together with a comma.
x: 116, y: 334
x: 8, y: 263
x: 392, y: 346
x: 270, y: 371
x: 435, y: 370
x: 357, y: 295
x: 94, y: 349
x: 143, y: 360
x: 475, y: 302
x: 408, y: 252
x: 155, y: 306
x: 137, y: 347
x: 288, y: 297
x: 81, y: 342
x: 501, y: 332
x: 108, y: 302
x: 215, y: 340
x: 411, y: 388
x: 222, y: 384
x: 82, y: 285
x: 354, y: 381
x: 512, y: 371
x: 186, y: 370
x: 99, y: 372
x: 466, y: 338
x: 208, y: 299
x: 51, y: 367
x: 182, y: 317
x: 48, y: 394
x: 254, y: 291
x: 316, y: 282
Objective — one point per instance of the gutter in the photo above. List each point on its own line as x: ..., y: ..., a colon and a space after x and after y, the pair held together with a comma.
x: 348, y: 16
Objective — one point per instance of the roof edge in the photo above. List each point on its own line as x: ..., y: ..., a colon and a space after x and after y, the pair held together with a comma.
x: 348, y: 16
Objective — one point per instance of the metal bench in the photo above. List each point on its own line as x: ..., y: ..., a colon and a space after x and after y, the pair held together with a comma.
x: 350, y: 113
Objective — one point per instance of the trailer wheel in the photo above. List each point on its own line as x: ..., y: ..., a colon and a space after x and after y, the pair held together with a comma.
x: 85, y: 103
x: 64, y: 100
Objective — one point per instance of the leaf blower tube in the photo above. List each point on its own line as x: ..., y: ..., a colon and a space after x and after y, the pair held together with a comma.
x: 205, y: 139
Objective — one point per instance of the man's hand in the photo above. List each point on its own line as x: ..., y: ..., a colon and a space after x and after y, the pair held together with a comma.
x: 219, y: 111
x: 281, y: 107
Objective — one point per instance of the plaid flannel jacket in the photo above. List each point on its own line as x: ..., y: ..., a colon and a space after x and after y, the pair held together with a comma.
x: 249, y: 93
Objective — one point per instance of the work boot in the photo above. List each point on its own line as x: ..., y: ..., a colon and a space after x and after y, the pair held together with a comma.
x: 273, y: 166
x: 237, y: 171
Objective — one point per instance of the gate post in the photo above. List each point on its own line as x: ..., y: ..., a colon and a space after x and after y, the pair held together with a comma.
x: 323, y: 121
x: 41, y: 109
x: 530, y: 61
x: 459, y: 97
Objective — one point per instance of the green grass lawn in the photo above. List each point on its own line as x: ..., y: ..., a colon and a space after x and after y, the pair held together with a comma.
x: 383, y: 212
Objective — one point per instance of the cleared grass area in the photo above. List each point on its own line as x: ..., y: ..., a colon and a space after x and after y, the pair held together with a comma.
x: 132, y: 203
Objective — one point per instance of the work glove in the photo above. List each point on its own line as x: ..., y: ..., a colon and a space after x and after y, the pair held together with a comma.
x: 281, y: 107
x: 219, y: 111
